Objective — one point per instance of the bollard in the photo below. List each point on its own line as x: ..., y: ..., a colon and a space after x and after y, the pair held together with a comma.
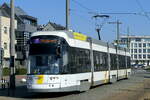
x: 3, y: 83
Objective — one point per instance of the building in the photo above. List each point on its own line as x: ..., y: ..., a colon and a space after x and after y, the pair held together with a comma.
x: 26, y: 24
x: 139, y: 48
x: 50, y: 27
x: 5, y: 38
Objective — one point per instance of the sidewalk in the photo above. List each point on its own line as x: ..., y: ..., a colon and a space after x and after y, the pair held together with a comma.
x: 20, y: 91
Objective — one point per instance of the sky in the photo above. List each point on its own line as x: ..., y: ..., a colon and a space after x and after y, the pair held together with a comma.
x: 82, y: 12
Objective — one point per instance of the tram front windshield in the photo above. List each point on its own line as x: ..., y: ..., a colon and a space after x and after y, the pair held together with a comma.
x: 43, y: 55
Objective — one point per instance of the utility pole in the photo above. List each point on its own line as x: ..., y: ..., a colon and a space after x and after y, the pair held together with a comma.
x: 118, y: 35
x: 128, y: 40
x: 67, y: 14
x: 12, y: 47
x: 127, y: 50
x: 117, y: 41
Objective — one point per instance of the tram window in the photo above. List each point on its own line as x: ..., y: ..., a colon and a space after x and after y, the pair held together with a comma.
x: 113, y: 61
x: 122, y: 62
x: 42, y: 60
x: 79, y: 60
x: 100, y: 61
x: 37, y: 49
x: 128, y: 62
x: 58, y: 52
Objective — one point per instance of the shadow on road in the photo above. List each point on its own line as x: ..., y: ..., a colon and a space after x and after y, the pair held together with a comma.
x: 22, y: 92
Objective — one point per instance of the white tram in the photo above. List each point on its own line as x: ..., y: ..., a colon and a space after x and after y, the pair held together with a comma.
x: 62, y: 61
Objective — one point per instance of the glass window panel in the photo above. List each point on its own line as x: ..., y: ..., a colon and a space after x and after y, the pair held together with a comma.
x: 148, y: 44
x: 135, y: 50
x: 135, y: 56
x: 140, y: 45
x: 148, y: 50
x: 144, y: 44
x: 144, y: 50
x: 140, y: 50
x: 148, y: 56
x: 135, y: 44
x: 140, y: 56
x: 144, y: 56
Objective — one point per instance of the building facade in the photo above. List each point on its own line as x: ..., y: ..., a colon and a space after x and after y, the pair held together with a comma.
x: 5, y: 38
x: 139, y: 48
x: 26, y: 25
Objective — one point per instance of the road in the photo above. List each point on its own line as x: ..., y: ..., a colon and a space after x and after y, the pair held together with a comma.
x: 137, y: 87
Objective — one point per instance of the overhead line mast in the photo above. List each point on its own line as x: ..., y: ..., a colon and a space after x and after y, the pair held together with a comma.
x: 12, y: 46
x: 67, y: 14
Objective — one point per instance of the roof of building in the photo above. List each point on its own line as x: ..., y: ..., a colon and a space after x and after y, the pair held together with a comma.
x: 57, y: 26
x: 18, y: 12
x: 3, y: 13
x: 28, y: 17
x: 51, y: 27
x: 135, y: 36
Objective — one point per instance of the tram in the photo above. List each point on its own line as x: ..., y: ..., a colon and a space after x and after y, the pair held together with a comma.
x: 64, y: 61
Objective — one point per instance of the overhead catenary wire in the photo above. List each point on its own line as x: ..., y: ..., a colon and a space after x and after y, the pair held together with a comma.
x: 142, y: 9
x: 90, y: 11
x: 84, y: 7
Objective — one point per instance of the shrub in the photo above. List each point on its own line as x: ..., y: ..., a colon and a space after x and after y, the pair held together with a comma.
x: 21, y: 71
x: 6, y: 71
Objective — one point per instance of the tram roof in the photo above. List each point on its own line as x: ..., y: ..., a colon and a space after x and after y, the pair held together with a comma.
x: 71, y: 34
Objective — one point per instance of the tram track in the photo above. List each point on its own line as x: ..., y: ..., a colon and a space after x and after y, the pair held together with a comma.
x: 134, y: 88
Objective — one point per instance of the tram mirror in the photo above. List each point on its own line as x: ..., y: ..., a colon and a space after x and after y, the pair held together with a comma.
x: 58, y: 52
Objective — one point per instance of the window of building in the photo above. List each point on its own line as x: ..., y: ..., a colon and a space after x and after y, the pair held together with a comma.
x: 26, y: 21
x: 148, y: 56
x: 140, y: 56
x: 135, y: 44
x: 131, y: 50
x: 144, y: 50
x: 135, y: 56
x: 137, y: 39
x: 144, y: 56
x: 131, y: 45
x: 140, y: 50
x: 148, y: 50
x: 135, y: 50
x: 147, y: 39
x: 5, y: 30
x: 144, y: 44
x: 5, y: 45
x: 148, y: 44
x: 140, y: 45
x: 132, y: 56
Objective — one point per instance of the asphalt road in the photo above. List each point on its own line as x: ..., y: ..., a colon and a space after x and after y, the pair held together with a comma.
x: 137, y: 87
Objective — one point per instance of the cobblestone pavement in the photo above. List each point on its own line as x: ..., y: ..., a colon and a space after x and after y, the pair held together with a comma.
x: 137, y: 87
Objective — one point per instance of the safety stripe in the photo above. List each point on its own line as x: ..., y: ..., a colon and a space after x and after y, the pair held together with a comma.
x: 40, y: 79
